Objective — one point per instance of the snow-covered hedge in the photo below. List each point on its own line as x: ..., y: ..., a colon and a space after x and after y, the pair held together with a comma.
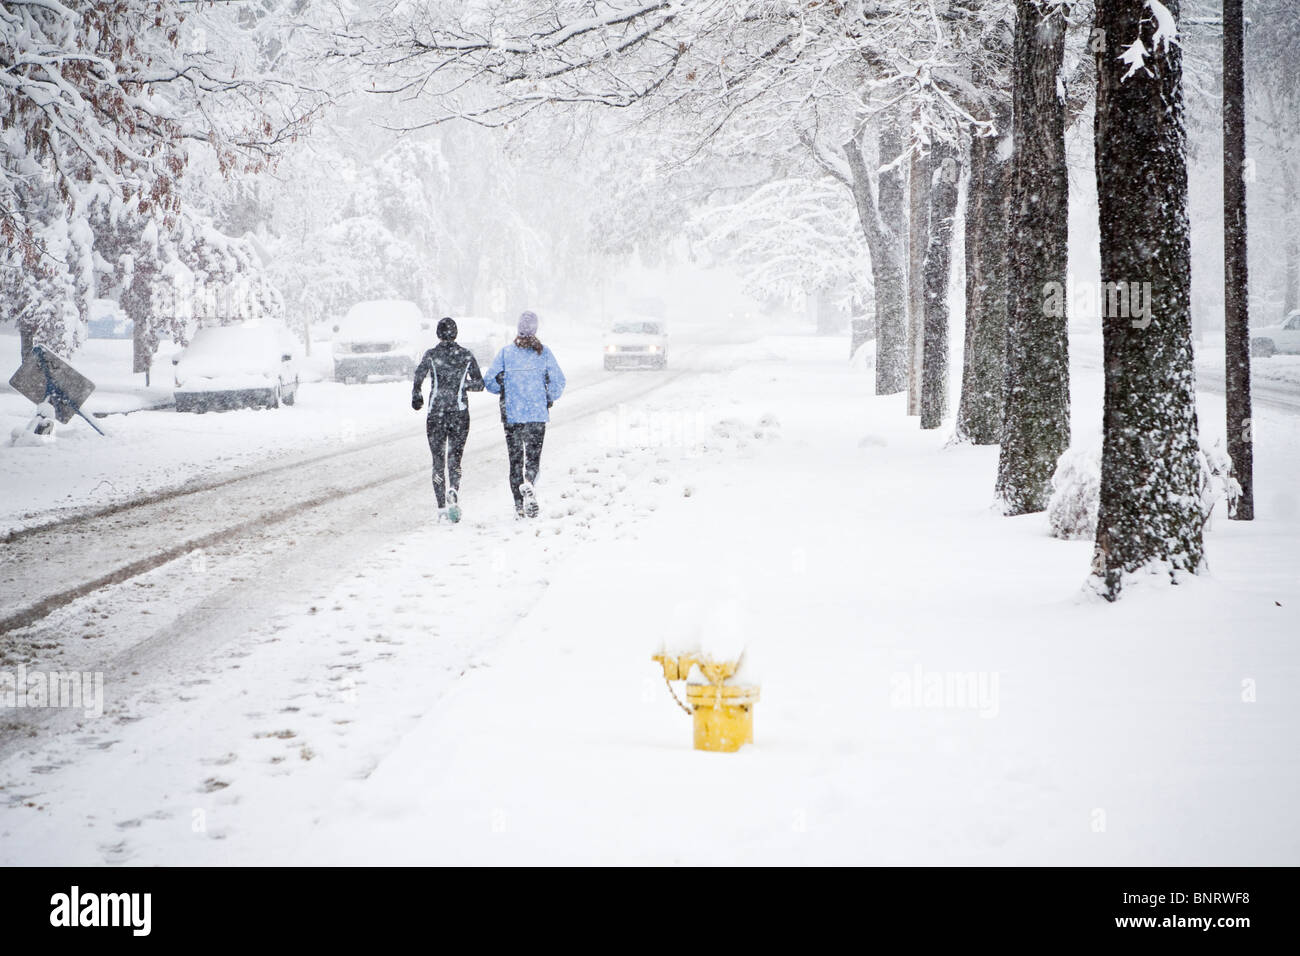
x: 1217, y: 480
x: 1076, y: 489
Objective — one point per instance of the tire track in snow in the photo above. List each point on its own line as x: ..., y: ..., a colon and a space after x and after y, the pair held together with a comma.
x: 76, y: 543
x: 204, y: 635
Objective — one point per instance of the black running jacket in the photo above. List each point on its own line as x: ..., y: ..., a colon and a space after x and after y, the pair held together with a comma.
x: 454, y: 371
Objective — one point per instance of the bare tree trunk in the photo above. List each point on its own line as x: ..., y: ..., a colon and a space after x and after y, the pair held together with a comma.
x: 891, y: 300
x: 1236, y: 316
x: 886, y: 257
x: 828, y: 317
x: 1149, y: 515
x: 938, y: 262
x: 979, y: 414
x: 918, y: 239
x: 1291, y: 296
x: 138, y: 303
x: 1291, y: 207
x: 1036, y: 409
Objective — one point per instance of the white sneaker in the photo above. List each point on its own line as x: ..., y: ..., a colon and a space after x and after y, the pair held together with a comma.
x: 442, y: 515
x: 530, y: 499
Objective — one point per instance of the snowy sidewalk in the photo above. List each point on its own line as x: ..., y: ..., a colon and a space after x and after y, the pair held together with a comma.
x: 935, y: 687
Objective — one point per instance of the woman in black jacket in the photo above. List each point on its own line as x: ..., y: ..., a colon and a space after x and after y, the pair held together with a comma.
x: 454, y: 371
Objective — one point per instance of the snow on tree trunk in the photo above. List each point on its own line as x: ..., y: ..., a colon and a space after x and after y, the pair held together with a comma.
x: 938, y: 261
x: 891, y: 290
x: 884, y: 246
x: 828, y: 316
x: 1036, y: 390
x: 1291, y: 295
x: 1236, y: 317
x: 137, y: 299
x: 918, y: 233
x: 891, y: 309
x: 979, y: 414
x: 1149, y: 516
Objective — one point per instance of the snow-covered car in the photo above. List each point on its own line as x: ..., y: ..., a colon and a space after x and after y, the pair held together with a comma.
x: 484, y: 337
x: 380, y: 337
x: 1283, y: 337
x: 637, y: 342
x: 108, y: 321
x: 237, y: 366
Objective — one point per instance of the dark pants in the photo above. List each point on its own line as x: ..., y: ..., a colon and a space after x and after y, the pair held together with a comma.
x: 524, y: 443
x: 447, y: 432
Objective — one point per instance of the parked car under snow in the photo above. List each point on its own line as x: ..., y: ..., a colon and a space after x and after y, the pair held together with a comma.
x: 237, y: 366
x: 380, y: 337
x: 108, y: 321
x: 484, y: 337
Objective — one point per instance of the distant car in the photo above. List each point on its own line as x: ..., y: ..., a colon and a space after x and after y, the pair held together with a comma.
x: 1284, y: 337
x: 107, y: 321
x: 237, y: 366
x: 637, y: 343
x: 380, y: 337
x: 484, y: 337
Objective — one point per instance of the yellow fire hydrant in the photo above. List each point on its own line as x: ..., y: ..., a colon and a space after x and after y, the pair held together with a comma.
x: 723, y: 713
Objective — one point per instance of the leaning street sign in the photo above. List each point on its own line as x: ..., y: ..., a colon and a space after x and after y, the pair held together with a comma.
x: 45, y: 376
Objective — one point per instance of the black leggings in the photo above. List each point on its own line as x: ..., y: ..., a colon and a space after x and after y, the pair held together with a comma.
x: 447, y: 432
x: 524, y: 443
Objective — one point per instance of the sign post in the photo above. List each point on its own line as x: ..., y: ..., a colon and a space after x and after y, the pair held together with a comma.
x: 45, y: 377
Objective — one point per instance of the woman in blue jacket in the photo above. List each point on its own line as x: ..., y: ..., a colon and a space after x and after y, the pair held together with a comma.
x: 529, y: 380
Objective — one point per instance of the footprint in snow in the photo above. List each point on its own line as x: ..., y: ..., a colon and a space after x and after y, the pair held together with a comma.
x: 114, y: 853
x: 222, y: 761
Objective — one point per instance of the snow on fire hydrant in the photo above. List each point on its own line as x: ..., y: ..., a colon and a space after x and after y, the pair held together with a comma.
x: 721, y: 705
x: 723, y: 712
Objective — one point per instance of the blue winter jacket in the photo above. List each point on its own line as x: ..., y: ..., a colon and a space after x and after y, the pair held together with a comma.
x: 532, y: 382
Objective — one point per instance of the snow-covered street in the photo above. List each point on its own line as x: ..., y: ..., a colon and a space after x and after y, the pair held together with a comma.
x: 354, y: 684
x: 674, y: 433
